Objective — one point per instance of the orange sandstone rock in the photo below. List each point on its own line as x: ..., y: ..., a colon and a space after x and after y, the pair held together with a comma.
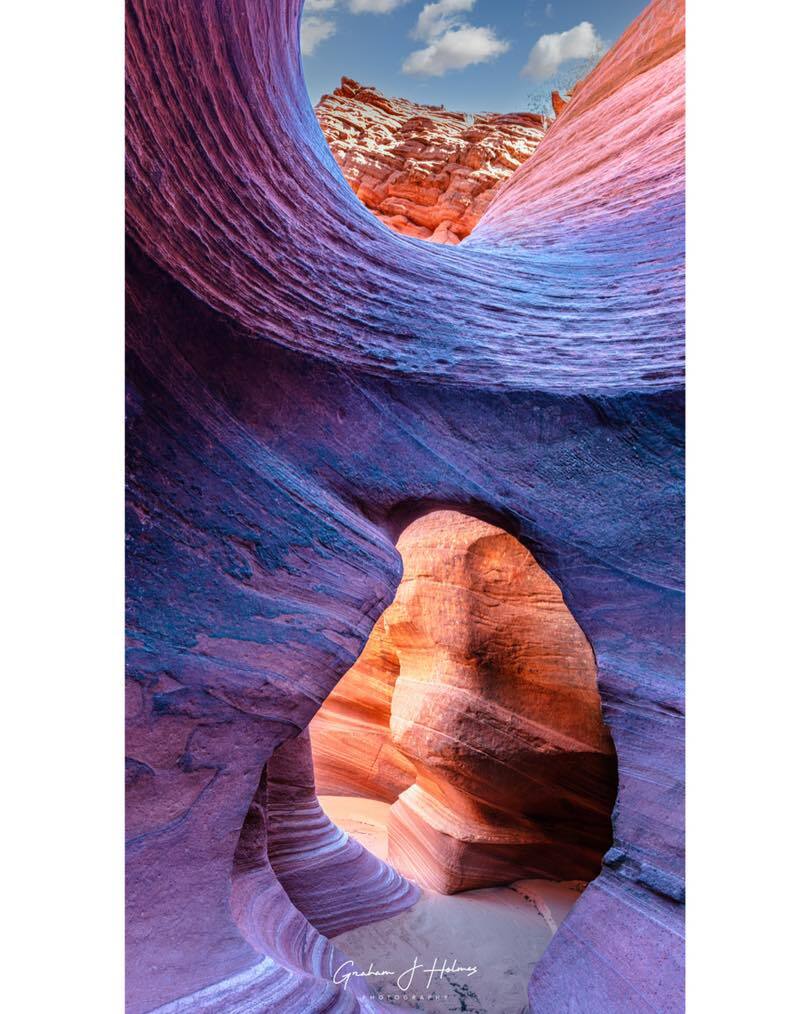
x: 494, y: 716
x: 558, y: 103
x: 351, y: 740
x: 422, y: 170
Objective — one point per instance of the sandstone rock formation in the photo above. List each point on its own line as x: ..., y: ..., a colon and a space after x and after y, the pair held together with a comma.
x: 352, y: 748
x: 301, y: 383
x: 422, y: 170
x: 557, y: 103
x: 489, y: 688
x: 327, y: 875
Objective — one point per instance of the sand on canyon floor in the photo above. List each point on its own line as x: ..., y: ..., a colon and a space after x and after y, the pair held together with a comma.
x: 499, y: 931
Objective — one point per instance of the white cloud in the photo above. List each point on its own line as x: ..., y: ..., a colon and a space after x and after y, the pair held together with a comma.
x: 314, y: 30
x: 456, y: 49
x: 374, y: 6
x: 579, y: 43
x: 437, y: 18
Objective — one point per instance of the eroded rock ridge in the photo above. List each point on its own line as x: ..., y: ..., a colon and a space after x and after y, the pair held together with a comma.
x: 423, y: 170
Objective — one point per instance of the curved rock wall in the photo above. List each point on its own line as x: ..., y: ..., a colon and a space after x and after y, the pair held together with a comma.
x: 496, y: 706
x: 328, y: 876
x: 298, y: 390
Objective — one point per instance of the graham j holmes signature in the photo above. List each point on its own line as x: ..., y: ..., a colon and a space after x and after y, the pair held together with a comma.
x: 346, y: 972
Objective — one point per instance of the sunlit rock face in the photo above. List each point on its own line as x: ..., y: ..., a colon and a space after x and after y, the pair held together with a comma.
x: 483, y: 681
x: 302, y: 383
x: 497, y: 707
x: 423, y: 170
x: 353, y: 751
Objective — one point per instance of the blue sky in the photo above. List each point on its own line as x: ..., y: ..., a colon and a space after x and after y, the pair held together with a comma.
x: 469, y: 55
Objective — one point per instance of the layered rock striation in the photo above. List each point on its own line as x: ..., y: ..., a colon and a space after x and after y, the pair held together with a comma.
x: 485, y: 685
x: 329, y: 877
x: 353, y: 751
x: 301, y: 383
x: 423, y: 170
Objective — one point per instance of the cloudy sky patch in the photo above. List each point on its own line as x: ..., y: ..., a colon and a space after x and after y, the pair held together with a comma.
x: 453, y: 43
x: 469, y: 55
x: 551, y: 51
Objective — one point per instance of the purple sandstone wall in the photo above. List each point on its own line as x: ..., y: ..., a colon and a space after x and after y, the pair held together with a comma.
x: 301, y: 383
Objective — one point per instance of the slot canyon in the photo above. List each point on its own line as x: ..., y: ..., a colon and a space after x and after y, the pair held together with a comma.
x: 404, y: 527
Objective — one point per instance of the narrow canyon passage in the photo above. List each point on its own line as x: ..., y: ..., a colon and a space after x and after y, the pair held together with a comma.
x: 466, y: 748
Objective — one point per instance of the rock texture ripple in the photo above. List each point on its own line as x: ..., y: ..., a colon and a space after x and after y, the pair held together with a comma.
x: 302, y: 383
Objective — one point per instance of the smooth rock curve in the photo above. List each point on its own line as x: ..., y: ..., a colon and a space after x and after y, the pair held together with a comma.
x: 298, y: 392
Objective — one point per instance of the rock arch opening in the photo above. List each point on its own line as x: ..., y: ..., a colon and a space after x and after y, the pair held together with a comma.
x: 466, y: 749
x: 452, y: 795
x: 474, y: 712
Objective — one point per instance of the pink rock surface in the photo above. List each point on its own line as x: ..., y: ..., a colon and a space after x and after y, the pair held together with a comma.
x: 423, y: 170
x: 329, y: 877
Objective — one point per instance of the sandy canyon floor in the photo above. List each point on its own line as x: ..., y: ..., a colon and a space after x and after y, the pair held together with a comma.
x: 499, y: 931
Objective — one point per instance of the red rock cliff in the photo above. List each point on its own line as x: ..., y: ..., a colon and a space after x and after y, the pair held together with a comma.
x: 422, y: 170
